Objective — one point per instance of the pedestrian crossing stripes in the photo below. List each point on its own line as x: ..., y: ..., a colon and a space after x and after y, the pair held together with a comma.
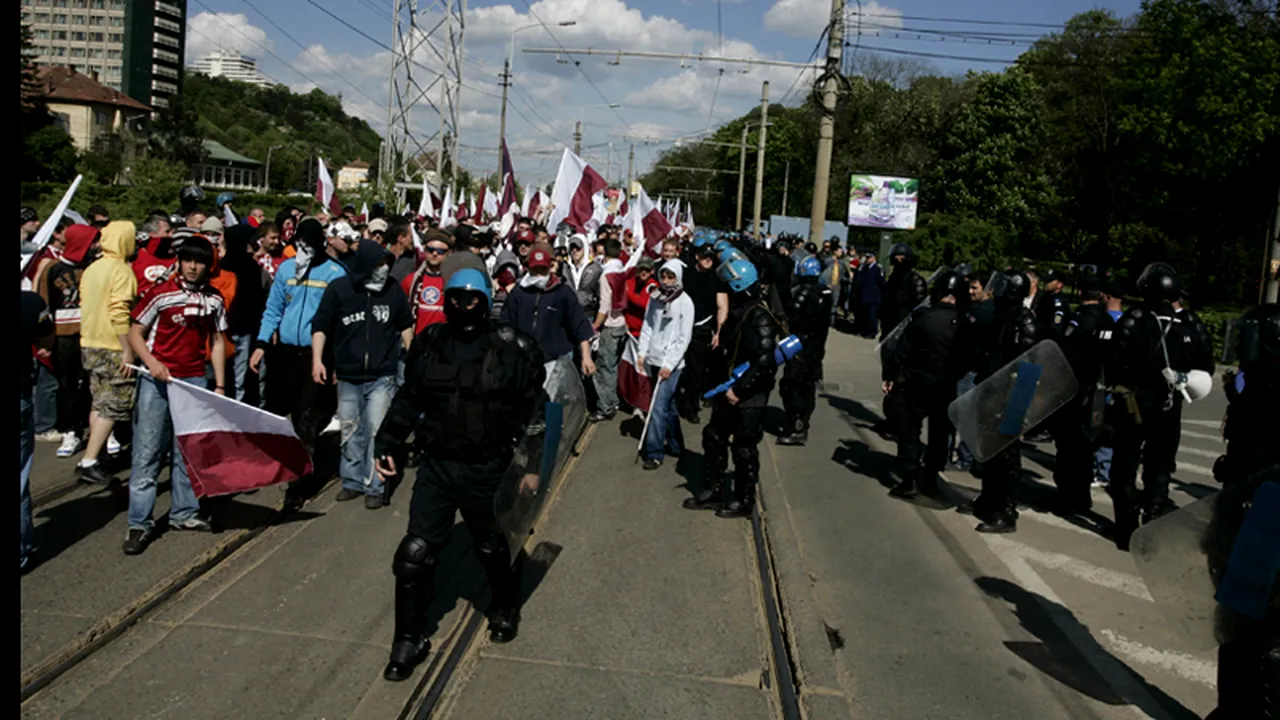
x: 1201, y: 436
x: 1180, y: 664
x: 1130, y: 585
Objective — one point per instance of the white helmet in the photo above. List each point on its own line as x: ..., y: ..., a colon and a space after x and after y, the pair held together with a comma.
x: 1198, y: 384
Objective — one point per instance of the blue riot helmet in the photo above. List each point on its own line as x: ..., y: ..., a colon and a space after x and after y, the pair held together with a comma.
x: 224, y: 198
x: 721, y: 245
x: 809, y: 266
x: 731, y: 254
x: 739, y: 273
x: 470, y: 279
x: 459, y: 312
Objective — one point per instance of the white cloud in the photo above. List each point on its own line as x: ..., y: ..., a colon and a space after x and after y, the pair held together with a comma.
x: 207, y: 32
x: 808, y: 18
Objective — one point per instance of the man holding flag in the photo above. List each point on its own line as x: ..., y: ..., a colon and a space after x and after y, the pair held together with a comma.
x: 172, y: 326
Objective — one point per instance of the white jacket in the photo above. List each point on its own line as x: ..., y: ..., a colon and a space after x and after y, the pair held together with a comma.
x: 666, y: 332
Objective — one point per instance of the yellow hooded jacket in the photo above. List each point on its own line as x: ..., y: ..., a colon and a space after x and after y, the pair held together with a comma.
x: 108, y: 289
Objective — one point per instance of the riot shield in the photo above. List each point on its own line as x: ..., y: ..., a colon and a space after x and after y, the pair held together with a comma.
x: 891, y: 340
x: 1170, y: 556
x: 542, y: 454
x: 993, y: 414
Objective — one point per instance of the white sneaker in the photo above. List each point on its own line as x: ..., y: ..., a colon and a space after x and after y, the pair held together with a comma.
x: 70, y: 443
x: 113, y: 445
x: 333, y: 426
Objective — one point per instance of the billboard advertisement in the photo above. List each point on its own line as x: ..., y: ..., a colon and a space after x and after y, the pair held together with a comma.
x: 883, y: 201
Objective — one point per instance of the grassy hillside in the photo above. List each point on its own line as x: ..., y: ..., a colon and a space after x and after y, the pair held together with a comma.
x: 250, y: 119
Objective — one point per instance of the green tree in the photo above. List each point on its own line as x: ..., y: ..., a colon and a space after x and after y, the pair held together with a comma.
x: 47, y: 153
x: 176, y: 135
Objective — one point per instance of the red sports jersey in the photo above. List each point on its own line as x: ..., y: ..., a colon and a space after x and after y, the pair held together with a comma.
x: 181, y: 321
x: 427, y: 295
x: 151, y: 270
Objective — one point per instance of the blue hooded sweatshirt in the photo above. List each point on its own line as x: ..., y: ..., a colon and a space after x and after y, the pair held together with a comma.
x: 295, y: 296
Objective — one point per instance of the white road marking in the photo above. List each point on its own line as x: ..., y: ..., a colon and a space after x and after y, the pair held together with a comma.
x: 1180, y: 664
x: 1211, y: 454
x: 1196, y: 469
x: 1215, y: 424
x: 1114, y: 672
x: 1130, y: 585
x: 1201, y: 436
x: 1054, y: 521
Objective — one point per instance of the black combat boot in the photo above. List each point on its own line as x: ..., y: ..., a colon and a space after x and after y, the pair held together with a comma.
x: 799, y: 434
x: 410, y: 646
x: 1005, y: 521
x: 927, y: 484
x: 906, y: 488
x: 744, y: 500
x: 711, y: 496
x: 504, y: 624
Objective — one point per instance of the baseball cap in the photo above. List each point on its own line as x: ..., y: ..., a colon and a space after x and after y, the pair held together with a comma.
x: 540, y: 256
x: 211, y: 225
x: 577, y: 241
x: 378, y: 225
x: 646, y: 263
x: 1089, y: 283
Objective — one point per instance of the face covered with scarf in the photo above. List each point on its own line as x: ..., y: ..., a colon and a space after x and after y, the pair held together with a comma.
x: 671, y: 282
x: 310, y: 242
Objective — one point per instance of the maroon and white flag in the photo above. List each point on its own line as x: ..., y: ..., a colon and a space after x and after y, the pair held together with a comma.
x: 648, y: 222
x: 576, y: 183
x: 231, y: 447
x: 633, y: 381
x: 325, y: 194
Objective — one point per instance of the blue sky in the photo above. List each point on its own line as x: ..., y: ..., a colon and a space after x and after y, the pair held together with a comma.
x: 659, y: 99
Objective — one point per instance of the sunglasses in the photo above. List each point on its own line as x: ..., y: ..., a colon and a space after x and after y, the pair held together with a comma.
x: 437, y: 251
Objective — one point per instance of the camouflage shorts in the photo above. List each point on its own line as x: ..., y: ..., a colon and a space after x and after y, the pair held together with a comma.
x: 112, y: 392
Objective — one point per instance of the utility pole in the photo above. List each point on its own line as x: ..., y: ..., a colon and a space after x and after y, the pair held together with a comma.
x: 764, y: 126
x: 502, y: 128
x: 786, y: 181
x: 1271, y: 271
x: 577, y: 138
x: 631, y: 161
x: 742, y: 174
x: 827, y: 124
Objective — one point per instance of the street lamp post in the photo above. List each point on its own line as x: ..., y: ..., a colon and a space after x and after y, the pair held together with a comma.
x: 266, y: 174
x: 577, y: 131
x: 506, y: 83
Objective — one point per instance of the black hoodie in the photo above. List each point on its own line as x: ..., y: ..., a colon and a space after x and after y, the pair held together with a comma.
x: 363, y: 326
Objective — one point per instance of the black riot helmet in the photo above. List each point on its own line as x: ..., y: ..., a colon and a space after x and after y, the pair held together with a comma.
x: 1009, y: 289
x: 1258, y: 335
x: 189, y: 197
x: 948, y: 283
x: 964, y: 270
x: 1159, y: 283
x: 900, y: 255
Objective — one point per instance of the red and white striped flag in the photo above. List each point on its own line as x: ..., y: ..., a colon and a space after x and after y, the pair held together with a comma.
x: 648, y: 222
x: 231, y: 447
x: 576, y: 183
x: 633, y: 381
x: 325, y: 194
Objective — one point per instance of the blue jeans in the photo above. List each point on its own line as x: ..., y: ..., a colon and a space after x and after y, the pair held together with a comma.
x: 1102, y: 464
x: 361, y: 408
x: 152, y: 432
x: 664, y: 423
x: 240, y: 362
x: 27, y: 421
x: 46, y: 399
x: 964, y: 458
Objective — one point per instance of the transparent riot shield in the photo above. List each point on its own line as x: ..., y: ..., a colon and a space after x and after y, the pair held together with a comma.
x: 891, y: 340
x: 542, y: 454
x: 993, y: 414
x: 1170, y: 556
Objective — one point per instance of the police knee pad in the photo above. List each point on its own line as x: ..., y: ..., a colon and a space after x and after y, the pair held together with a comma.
x: 493, y: 546
x: 746, y: 459
x: 711, y: 438
x: 414, y: 560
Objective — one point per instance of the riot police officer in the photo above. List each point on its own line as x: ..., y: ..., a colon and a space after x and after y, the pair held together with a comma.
x: 1074, y: 429
x: 904, y: 290
x: 1249, y: 655
x: 925, y: 366
x: 1015, y: 332
x: 1051, y: 308
x: 809, y: 319
x: 472, y: 389
x: 1155, y: 346
x: 737, y: 417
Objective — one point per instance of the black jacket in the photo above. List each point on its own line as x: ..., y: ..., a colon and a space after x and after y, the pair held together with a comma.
x: 363, y: 326
x: 753, y: 337
x: 1015, y: 332
x: 1137, y: 357
x: 1084, y: 341
x: 470, y: 397
x: 929, y: 356
x: 809, y: 316
x: 903, y: 292
x: 252, y: 282
x: 1052, y: 312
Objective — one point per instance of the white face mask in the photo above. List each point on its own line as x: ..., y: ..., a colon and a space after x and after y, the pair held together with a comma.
x: 302, y: 260
x: 538, y: 281
x: 378, y: 278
